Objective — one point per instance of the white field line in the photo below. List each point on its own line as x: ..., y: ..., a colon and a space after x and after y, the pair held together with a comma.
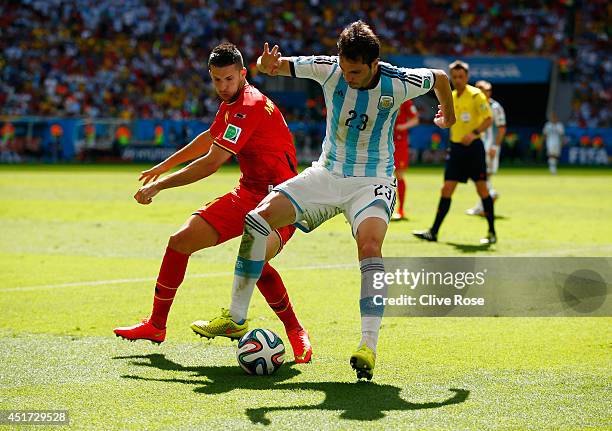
x: 543, y: 253
x: 152, y: 279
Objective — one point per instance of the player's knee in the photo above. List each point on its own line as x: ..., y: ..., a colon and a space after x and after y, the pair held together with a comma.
x: 256, y: 222
x: 370, y: 247
x: 175, y: 241
x: 262, y: 211
x: 267, y: 213
x: 180, y: 241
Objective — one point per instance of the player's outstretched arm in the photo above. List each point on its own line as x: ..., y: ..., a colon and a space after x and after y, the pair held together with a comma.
x: 446, y: 112
x: 196, y: 148
x: 195, y: 171
x: 272, y: 63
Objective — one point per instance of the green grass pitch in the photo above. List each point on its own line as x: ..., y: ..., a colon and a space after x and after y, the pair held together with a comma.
x: 78, y: 256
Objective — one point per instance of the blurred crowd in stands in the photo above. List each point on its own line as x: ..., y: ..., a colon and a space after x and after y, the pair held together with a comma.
x: 147, y: 59
x: 590, y: 65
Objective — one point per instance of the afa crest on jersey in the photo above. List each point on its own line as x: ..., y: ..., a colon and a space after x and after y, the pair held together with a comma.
x: 385, y: 103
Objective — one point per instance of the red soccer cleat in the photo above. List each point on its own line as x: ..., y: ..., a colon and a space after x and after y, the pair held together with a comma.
x: 300, y: 343
x: 141, y: 331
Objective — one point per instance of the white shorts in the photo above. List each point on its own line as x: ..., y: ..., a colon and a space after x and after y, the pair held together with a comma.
x: 553, y: 149
x: 318, y: 195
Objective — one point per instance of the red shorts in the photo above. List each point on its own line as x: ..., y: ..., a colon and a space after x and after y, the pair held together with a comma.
x: 400, y: 156
x: 226, y: 215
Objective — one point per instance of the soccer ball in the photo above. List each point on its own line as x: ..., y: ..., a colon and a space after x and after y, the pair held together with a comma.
x: 261, y: 352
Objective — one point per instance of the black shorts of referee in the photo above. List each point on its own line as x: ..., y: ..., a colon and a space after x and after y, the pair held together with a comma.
x: 463, y: 162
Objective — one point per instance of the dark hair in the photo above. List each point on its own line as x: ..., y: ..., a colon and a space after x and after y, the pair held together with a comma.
x: 358, y: 42
x: 225, y: 54
x: 458, y: 64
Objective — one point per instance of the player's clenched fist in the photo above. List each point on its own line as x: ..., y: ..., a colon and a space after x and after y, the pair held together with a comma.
x: 145, y: 194
x: 441, y: 121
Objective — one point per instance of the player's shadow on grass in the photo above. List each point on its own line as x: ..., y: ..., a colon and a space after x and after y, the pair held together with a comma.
x: 470, y: 248
x: 216, y: 379
x: 357, y: 401
x: 362, y: 401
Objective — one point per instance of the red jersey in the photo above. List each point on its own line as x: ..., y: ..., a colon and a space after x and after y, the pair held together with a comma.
x: 253, y: 129
x: 406, y: 112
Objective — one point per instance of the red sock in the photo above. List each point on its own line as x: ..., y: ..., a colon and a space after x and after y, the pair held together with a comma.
x: 272, y: 288
x: 171, y: 275
x: 401, y: 191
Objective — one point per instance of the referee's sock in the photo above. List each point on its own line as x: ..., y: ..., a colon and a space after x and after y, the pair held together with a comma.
x: 443, y: 207
x: 487, y: 205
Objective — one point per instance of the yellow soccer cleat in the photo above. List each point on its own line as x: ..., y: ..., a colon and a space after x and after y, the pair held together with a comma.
x: 363, y: 361
x: 222, y: 326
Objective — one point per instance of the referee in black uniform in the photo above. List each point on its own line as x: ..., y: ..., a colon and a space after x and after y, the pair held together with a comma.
x: 466, y: 157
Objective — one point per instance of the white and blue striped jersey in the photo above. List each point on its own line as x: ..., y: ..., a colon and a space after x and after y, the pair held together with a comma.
x: 499, y: 120
x: 359, y: 133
